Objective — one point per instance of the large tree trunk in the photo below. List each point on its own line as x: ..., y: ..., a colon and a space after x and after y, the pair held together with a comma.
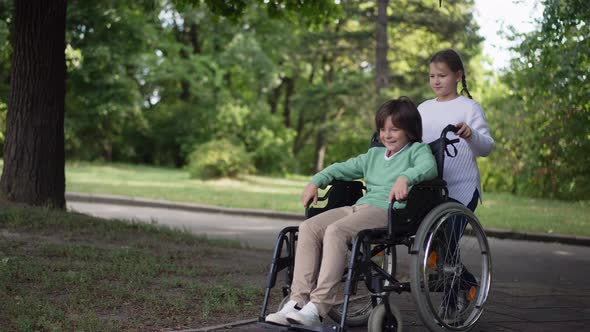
x: 382, y: 65
x: 34, y: 147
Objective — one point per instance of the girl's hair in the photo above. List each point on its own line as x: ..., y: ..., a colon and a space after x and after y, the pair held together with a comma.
x: 404, y: 115
x: 453, y: 61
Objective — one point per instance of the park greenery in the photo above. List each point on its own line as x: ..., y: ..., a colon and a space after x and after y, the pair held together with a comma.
x: 225, y: 88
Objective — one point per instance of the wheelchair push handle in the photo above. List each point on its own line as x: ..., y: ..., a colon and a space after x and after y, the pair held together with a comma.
x: 447, y: 129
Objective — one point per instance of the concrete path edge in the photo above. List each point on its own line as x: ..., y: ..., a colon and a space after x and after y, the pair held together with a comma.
x: 156, y: 203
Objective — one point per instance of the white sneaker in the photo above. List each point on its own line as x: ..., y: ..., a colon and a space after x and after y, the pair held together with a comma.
x: 279, y: 317
x: 308, y: 316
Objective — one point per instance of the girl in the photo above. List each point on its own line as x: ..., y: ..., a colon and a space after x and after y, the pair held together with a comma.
x: 389, y: 172
x: 461, y: 172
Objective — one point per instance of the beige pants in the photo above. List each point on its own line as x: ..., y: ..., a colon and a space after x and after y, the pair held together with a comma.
x: 324, y: 238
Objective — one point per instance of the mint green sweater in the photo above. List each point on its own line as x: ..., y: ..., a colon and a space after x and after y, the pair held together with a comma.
x: 415, y: 162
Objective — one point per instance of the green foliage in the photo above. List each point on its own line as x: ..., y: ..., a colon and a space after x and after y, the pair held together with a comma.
x: 269, y: 143
x: 219, y: 158
x: 5, y: 54
x: 550, y: 81
x: 150, y: 80
x: 262, y: 134
x: 104, y: 53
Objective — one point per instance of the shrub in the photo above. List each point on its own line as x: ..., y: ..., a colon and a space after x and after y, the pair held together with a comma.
x: 219, y: 158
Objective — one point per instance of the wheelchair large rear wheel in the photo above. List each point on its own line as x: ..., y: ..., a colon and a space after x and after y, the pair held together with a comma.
x: 450, y: 268
x: 360, y: 305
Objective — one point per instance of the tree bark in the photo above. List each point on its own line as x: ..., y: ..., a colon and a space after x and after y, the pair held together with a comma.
x: 382, y: 65
x: 320, y: 147
x: 34, y: 148
x: 289, y: 90
x: 273, y: 97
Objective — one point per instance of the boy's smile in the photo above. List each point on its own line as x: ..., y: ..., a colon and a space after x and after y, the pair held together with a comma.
x: 392, y: 137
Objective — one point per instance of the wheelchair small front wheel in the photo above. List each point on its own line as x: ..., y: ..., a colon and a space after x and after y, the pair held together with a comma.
x: 451, y: 268
x: 360, y: 304
x: 378, y: 321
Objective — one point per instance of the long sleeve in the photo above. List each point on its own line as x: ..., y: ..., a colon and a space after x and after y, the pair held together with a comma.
x: 351, y: 169
x: 424, y: 166
x: 481, y: 142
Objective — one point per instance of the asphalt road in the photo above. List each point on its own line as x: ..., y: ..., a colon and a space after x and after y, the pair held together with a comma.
x: 537, y: 285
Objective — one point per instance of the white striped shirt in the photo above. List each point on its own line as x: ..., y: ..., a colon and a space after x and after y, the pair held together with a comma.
x: 461, y: 172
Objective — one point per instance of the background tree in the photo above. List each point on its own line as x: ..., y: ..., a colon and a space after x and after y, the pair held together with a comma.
x: 381, y: 63
x: 548, y: 106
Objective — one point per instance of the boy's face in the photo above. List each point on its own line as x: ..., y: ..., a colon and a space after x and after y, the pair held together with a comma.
x: 392, y: 137
x: 443, y: 81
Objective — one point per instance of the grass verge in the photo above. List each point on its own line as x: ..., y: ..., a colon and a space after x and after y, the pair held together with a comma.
x: 499, y: 210
x: 63, y: 271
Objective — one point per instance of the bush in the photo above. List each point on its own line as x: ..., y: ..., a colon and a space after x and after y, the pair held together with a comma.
x: 270, y: 143
x: 219, y: 158
x: 263, y: 135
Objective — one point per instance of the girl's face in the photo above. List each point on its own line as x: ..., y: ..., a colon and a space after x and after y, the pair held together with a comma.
x: 443, y: 81
x: 392, y: 137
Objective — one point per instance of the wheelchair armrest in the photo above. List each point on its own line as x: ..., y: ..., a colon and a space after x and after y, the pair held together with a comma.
x: 423, y: 197
x: 430, y: 184
x: 341, y: 193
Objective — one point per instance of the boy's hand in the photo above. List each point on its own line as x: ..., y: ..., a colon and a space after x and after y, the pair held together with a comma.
x: 464, y: 130
x: 310, y: 192
x: 399, y: 191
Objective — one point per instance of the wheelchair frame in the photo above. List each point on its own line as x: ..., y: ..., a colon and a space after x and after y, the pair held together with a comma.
x: 404, y: 227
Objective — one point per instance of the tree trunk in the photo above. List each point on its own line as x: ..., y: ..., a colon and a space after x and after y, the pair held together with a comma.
x: 320, y: 148
x: 34, y: 149
x: 273, y: 97
x: 289, y: 89
x: 382, y: 65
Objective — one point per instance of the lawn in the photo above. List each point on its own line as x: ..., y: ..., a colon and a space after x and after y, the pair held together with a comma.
x: 499, y: 210
x: 67, y: 272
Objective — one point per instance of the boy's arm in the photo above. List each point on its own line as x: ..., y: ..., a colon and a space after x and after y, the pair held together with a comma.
x: 351, y: 169
x: 424, y: 166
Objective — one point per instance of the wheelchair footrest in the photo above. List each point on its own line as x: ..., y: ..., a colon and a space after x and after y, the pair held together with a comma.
x: 275, y: 327
x: 296, y: 327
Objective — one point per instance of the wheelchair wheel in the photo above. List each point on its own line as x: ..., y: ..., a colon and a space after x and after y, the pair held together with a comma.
x: 378, y: 322
x: 360, y: 304
x: 451, y: 268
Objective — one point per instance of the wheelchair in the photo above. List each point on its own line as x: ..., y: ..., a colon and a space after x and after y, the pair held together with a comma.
x: 450, y: 259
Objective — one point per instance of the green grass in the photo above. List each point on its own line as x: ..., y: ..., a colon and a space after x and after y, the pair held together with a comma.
x: 63, y: 272
x: 254, y: 192
x: 499, y: 210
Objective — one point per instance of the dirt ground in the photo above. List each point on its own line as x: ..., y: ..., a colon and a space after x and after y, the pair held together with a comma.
x: 124, y: 276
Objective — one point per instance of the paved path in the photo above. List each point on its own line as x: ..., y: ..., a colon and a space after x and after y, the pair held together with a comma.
x: 537, y: 286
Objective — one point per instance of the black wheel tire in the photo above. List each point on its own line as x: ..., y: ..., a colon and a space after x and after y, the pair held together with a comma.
x: 361, y: 316
x: 377, y: 319
x: 424, y: 305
